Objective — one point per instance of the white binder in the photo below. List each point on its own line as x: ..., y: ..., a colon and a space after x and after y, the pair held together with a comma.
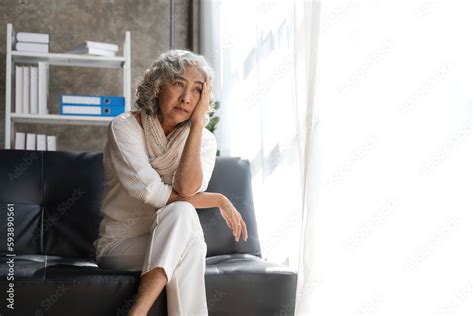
x: 32, y: 47
x: 34, y: 90
x: 32, y: 37
x: 26, y: 89
x: 51, y: 142
x: 18, y: 89
x: 20, y: 140
x: 98, y: 45
x: 30, y: 141
x: 92, y: 51
x: 43, y: 78
x: 41, y: 142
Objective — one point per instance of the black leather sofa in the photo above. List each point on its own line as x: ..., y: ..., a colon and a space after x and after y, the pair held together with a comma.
x: 49, y: 218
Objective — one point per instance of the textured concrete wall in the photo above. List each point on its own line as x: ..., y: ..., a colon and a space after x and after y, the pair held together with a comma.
x: 69, y: 23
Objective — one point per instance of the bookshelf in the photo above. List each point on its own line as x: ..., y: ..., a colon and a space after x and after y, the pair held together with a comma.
x: 57, y: 59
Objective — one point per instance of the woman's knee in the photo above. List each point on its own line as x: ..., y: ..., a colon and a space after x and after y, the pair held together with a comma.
x: 180, y: 211
x: 183, y: 205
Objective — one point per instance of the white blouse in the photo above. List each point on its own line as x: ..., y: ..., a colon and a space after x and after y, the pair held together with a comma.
x: 134, y: 191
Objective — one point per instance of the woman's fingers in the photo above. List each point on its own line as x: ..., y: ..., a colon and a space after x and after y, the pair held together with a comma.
x: 206, y: 92
x: 244, y: 229
x: 203, y: 105
x: 235, y: 222
x: 208, y: 86
x: 239, y: 227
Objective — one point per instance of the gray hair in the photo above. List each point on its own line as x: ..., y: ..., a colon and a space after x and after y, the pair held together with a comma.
x: 164, y: 70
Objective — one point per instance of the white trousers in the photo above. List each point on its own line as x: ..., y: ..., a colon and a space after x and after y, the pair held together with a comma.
x: 175, y: 243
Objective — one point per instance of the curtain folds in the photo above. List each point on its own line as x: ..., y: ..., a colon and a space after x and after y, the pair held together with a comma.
x: 357, y: 119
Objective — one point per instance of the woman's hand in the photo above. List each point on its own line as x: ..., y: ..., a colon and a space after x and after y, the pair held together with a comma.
x: 197, y: 117
x: 233, y: 219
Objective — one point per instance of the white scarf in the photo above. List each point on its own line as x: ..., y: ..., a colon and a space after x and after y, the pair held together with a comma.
x: 164, y: 152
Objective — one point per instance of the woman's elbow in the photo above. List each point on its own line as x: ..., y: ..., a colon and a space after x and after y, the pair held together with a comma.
x: 186, y: 192
x: 187, y: 189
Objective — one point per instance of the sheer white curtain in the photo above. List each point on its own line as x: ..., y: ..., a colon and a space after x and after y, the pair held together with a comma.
x: 388, y: 226
x: 251, y: 46
x: 357, y: 118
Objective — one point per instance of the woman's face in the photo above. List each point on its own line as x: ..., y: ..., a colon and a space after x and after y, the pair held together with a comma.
x: 178, y: 98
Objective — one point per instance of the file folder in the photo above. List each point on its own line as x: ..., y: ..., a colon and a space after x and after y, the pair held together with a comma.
x: 92, y: 105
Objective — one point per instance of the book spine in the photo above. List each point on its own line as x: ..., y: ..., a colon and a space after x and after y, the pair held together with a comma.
x: 32, y: 37
x: 43, y: 72
x: 32, y: 47
x: 92, y: 51
x: 34, y: 90
x: 18, y: 89
x: 51, y: 143
x: 30, y: 141
x: 20, y: 140
x: 99, y: 45
x: 26, y: 89
x: 80, y: 99
x: 80, y: 109
x: 41, y: 142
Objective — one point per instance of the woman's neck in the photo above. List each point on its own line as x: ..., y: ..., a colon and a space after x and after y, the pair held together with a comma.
x: 167, y: 127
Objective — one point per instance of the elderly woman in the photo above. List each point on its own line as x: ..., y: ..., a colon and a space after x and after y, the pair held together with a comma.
x: 158, y: 162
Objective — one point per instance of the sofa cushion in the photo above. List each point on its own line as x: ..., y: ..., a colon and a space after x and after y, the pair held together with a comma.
x: 73, y: 185
x: 24, y: 222
x: 241, y: 283
x: 21, y: 176
x: 56, y: 200
x: 52, y: 285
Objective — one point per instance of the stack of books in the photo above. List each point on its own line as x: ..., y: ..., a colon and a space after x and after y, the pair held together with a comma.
x: 32, y: 42
x: 94, y: 48
x: 31, y: 89
x: 31, y: 141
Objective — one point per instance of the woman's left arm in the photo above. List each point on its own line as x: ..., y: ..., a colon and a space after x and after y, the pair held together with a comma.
x: 189, y: 176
